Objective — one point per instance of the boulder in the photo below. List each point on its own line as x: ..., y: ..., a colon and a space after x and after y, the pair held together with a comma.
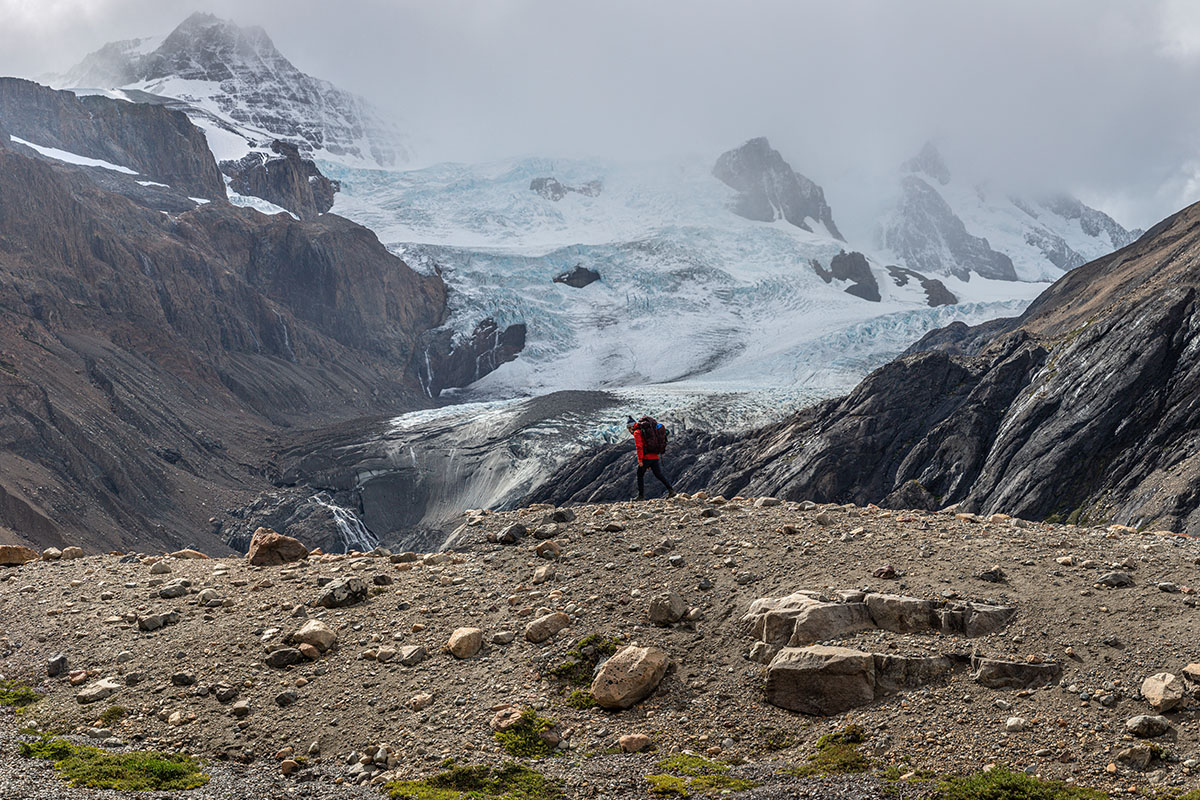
x: 629, y: 676
x: 1145, y: 726
x: 898, y: 614
x: 894, y: 673
x: 342, y: 593
x: 270, y: 549
x: 973, y: 619
x: 544, y: 628
x: 1136, y: 756
x: 93, y: 692
x: 160, y: 568
x: 284, y: 657
x: 315, y: 633
x: 511, y: 534
x: 465, y: 642
x: 667, y: 609
x: 997, y: 674
x: 773, y: 619
x: 72, y: 553
x: 820, y: 621
x: 13, y: 555
x: 1163, y: 691
x: 51, y: 554
x: 152, y: 622
x: 820, y: 680
x: 578, y: 277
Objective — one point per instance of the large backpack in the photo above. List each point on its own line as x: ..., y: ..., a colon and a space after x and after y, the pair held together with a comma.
x: 654, y: 436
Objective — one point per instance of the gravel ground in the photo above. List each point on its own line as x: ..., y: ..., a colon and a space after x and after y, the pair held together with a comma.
x: 712, y: 698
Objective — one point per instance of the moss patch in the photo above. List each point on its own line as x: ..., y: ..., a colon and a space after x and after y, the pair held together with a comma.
x: 837, y: 754
x: 94, y: 768
x: 510, y: 782
x: 17, y: 695
x: 525, y: 738
x: 687, y: 774
x: 1003, y: 784
x: 583, y: 658
x: 112, y: 714
x: 581, y: 699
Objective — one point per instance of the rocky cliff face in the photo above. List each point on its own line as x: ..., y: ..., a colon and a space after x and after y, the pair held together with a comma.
x: 447, y: 360
x: 946, y: 226
x: 148, y: 360
x: 238, y: 74
x: 769, y: 189
x: 287, y: 180
x: 160, y: 144
x: 1082, y: 409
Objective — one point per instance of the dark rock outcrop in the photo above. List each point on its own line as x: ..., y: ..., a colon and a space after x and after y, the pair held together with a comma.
x: 578, y: 277
x: 148, y: 361
x: 770, y: 189
x: 936, y: 293
x: 448, y: 361
x: 161, y: 144
x: 287, y: 180
x: 852, y: 267
x: 1083, y: 409
x: 552, y: 189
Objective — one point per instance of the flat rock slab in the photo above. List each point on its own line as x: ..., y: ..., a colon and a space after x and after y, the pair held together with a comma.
x: 821, y: 680
x: 996, y: 674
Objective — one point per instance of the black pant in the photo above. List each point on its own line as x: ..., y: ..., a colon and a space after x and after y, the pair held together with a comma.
x: 652, y: 465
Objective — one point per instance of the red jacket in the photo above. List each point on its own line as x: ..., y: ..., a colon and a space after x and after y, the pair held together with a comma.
x: 641, y: 450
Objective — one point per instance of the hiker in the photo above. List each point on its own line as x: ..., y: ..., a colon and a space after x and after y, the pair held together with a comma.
x: 650, y: 439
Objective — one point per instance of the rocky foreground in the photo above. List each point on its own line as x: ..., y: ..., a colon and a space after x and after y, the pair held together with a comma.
x: 743, y: 630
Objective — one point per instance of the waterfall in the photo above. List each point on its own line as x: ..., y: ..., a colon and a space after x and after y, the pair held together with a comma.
x: 354, y: 535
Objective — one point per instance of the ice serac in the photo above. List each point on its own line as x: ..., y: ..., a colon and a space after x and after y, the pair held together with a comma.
x: 158, y: 143
x: 284, y: 178
x: 769, y: 189
x: 217, y: 67
x: 944, y: 224
x: 1083, y: 409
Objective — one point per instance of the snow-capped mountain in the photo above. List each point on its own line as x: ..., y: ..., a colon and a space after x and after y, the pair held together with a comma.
x: 692, y: 296
x: 945, y: 225
x: 243, y: 92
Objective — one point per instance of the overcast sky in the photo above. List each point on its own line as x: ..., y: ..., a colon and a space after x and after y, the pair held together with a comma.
x: 1095, y: 96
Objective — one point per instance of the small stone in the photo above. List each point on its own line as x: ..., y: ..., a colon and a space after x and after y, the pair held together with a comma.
x: 419, y: 702
x: 504, y: 637
x: 315, y: 633
x: 288, y: 766
x: 1137, y: 756
x: 667, y: 609
x: 465, y: 642
x: 342, y: 593
x: 160, y: 568
x: 511, y: 534
x: 634, y: 742
x: 287, y: 698
x: 106, y: 687
x: 56, y: 666
x: 548, y: 549
x: 51, y: 554
x: 183, y: 679
x: 411, y: 655
x: 545, y: 627
x: 1116, y: 579
x: 284, y: 657
x: 72, y: 553
x: 1016, y: 725
x: 629, y: 676
x: 240, y: 709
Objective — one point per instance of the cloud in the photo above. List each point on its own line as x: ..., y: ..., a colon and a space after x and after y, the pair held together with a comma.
x: 1088, y: 95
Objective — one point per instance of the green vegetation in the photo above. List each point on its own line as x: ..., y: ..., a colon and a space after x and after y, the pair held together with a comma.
x: 775, y: 738
x: 112, y: 714
x: 17, y: 695
x: 94, y: 768
x: 583, y: 658
x: 581, y: 699
x: 837, y: 754
x: 525, y: 739
x: 1003, y: 784
x: 688, y: 774
x: 510, y: 782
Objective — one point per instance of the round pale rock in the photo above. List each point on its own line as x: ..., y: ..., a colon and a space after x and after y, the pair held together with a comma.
x: 105, y: 687
x: 317, y: 634
x: 544, y: 628
x: 72, y: 553
x: 633, y: 742
x: 1163, y: 691
x: 419, y: 702
x: 270, y: 549
x: 51, y: 554
x: 465, y: 642
x: 629, y: 676
x: 159, y: 568
x: 13, y: 555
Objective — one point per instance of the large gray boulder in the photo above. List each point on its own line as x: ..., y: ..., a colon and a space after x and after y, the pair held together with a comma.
x: 820, y: 680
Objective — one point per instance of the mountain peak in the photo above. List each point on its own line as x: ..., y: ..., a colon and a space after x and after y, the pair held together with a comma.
x: 929, y: 162
x: 770, y: 189
x: 234, y: 78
